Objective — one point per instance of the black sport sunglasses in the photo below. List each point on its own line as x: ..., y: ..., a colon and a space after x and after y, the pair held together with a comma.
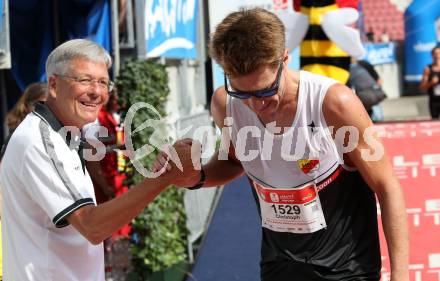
x: 259, y: 93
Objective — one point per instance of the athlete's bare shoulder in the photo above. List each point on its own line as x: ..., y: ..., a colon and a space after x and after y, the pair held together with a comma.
x: 342, y: 107
x: 218, y: 106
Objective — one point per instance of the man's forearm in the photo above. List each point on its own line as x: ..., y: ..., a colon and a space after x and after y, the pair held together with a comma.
x: 219, y: 172
x: 394, y: 222
x: 98, y: 223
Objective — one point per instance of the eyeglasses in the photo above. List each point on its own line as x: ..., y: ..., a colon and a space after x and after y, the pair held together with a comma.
x: 87, y: 81
x: 259, y: 93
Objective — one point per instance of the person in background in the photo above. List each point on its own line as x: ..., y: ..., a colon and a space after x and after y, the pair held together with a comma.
x: 370, y: 68
x: 365, y: 81
x: 431, y: 82
x: 33, y: 93
x: 376, y: 111
x: 108, y: 176
x: 370, y: 35
x: 385, y: 37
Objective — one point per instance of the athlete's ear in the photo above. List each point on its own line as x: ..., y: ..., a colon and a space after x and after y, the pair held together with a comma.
x: 286, y: 56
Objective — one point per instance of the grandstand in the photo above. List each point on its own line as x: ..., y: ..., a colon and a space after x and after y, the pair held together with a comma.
x: 385, y: 16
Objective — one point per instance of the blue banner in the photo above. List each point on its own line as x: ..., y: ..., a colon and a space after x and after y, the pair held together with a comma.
x: 87, y: 19
x: 33, y: 38
x: 171, y: 28
x: 420, y: 37
x: 2, y: 10
x: 380, y: 53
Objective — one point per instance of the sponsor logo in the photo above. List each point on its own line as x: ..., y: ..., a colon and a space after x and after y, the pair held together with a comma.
x: 274, y: 197
x: 308, y: 196
x: 421, y: 47
x: 308, y: 165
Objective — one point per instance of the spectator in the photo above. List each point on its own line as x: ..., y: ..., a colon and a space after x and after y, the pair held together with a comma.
x: 377, y: 112
x: 108, y: 176
x: 370, y: 35
x: 431, y: 82
x: 370, y: 68
x: 367, y: 84
x: 34, y: 92
x: 384, y: 37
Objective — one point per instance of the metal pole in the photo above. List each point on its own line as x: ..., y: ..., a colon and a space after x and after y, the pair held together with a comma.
x: 202, y: 55
x: 115, y: 37
x: 140, y: 29
x: 6, y: 64
x: 208, y: 61
x: 4, y: 106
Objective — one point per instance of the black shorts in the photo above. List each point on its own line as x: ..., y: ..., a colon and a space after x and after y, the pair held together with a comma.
x: 434, y: 108
x: 293, y: 271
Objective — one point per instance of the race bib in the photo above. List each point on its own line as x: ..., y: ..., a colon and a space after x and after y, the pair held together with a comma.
x: 437, y: 90
x: 291, y: 210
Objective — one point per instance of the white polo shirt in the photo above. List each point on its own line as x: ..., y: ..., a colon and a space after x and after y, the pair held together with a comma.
x: 43, y: 181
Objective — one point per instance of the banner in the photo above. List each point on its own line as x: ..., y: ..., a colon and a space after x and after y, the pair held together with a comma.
x: 171, y: 28
x: 2, y: 10
x: 380, y: 53
x: 33, y: 34
x: 420, y: 37
x: 415, y: 154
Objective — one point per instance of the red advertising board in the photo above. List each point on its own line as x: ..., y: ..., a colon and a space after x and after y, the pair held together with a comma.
x: 414, y: 149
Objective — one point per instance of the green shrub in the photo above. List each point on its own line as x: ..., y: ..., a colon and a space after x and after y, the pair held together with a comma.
x: 159, y: 233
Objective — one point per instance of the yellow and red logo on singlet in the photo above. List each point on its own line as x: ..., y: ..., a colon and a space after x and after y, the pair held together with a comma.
x: 308, y: 165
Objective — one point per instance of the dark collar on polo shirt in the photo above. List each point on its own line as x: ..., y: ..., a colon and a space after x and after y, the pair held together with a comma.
x: 42, y: 110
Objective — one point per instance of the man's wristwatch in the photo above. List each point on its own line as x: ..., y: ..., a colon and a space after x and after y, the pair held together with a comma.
x: 201, y: 181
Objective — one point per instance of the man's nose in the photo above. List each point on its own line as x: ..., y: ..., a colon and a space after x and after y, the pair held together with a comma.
x: 257, y: 103
x: 97, y: 89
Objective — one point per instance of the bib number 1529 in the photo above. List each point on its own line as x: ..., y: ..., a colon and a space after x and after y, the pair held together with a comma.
x: 286, y: 209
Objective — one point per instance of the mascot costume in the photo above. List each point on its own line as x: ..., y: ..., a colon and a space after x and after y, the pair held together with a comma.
x: 324, y: 30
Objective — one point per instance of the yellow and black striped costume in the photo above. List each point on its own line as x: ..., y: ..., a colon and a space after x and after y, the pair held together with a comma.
x: 318, y: 54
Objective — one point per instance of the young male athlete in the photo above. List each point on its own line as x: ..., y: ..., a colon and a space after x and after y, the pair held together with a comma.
x: 317, y: 204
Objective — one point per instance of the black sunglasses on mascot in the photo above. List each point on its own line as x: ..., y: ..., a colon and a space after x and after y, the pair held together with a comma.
x: 260, y: 93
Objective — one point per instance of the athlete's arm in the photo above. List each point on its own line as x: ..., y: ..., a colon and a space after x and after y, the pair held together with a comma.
x: 341, y: 108
x: 96, y: 223
x: 219, y: 172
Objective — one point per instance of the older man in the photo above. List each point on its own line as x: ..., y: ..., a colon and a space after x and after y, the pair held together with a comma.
x: 52, y: 228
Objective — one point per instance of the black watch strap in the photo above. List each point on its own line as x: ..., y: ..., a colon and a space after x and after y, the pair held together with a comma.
x: 201, y: 181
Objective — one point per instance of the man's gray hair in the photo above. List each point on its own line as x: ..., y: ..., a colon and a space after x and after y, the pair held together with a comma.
x: 58, y: 60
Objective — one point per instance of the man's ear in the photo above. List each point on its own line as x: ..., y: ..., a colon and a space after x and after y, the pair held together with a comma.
x: 52, y: 87
x: 286, y: 56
